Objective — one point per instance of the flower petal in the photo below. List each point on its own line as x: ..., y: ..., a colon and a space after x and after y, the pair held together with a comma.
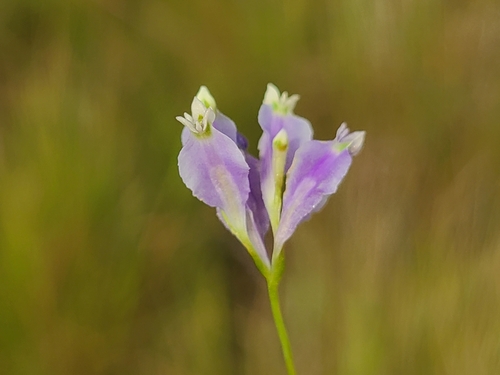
x: 186, y: 122
x: 216, y: 172
x: 255, y: 202
x: 222, y: 123
x: 272, y: 94
x: 298, y: 130
x: 256, y: 238
x: 197, y: 108
x: 226, y: 126
x: 206, y: 97
x: 252, y: 240
x: 316, y: 172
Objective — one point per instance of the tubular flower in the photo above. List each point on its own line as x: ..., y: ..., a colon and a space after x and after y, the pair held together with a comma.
x: 293, y: 178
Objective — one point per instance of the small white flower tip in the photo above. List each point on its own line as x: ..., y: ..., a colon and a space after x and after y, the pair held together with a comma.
x: 206, y: 98
x: 342, y: 131
x: 201, y: 117
x: 280, y: 102
x: 291, y: 102
x: 209, y: 115
x: 355, y: 142
x: 272, y: 94
x: 197, y: 109
x: 187, y: 121
x: 181, y: 119
x: 358, y: 142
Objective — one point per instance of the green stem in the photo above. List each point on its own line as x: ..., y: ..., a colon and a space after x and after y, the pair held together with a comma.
x: 272, y: 288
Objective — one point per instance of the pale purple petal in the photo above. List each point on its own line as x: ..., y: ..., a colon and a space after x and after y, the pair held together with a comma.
x: 186, y: 133
x: 255, y: 202
x: 256, y: 238
x: 316, y: 172
x: 215, y: 170
x: 226, y: 126
x: 298, y: 129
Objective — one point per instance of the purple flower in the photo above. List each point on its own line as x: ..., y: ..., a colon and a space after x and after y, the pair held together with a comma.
x: 293, y: 178
x: 216, y: 170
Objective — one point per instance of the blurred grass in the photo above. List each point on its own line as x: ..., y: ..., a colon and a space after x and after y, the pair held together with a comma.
x: 108, y: 265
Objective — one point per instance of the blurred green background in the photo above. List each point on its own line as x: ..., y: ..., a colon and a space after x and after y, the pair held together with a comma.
x: 108, y: 265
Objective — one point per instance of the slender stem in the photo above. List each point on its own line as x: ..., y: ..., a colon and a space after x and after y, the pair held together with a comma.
x: 272, y: 288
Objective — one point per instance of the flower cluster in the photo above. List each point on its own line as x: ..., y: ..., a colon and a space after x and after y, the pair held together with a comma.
x: 293, y: 177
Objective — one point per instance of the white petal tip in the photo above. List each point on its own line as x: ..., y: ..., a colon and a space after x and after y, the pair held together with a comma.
x: 272, y: 94
x: 206, y: 97
x: 280, y: 102
x: 356, y: 139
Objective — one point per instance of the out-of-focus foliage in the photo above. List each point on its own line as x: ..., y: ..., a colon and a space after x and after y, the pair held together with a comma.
x: 108, y: 265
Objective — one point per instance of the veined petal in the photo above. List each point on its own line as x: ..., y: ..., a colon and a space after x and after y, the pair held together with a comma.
x: 216, y: 172
x: 316, y: 172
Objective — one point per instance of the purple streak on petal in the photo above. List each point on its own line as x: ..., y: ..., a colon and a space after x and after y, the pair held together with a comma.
x: 255, y: 202
x: 216, y: 172
x: 316, y: 172
x: 241, y: 141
